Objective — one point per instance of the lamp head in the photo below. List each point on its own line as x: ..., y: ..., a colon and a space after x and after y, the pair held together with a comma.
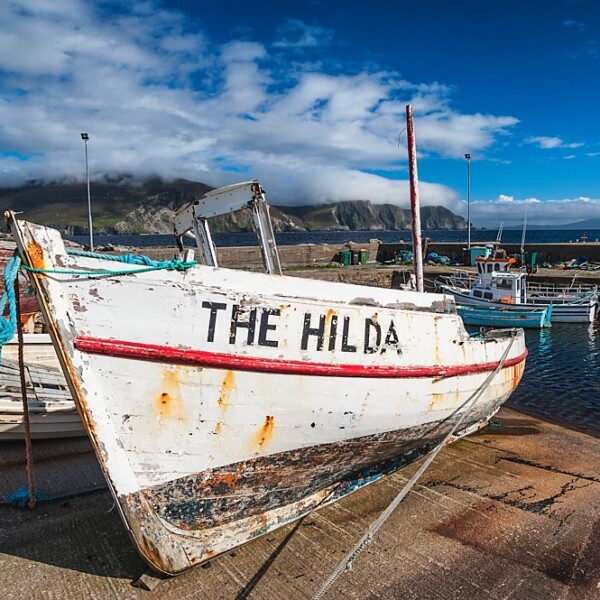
x: 85, y: 137
x: 467, y: 156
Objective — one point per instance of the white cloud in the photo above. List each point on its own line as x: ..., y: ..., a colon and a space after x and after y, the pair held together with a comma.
x: 551, y: 142
x: 511, y: 211
x: 157, y: 98
x: 545, y: 142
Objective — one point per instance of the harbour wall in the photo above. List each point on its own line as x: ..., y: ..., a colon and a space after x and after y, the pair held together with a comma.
x: 550, y: 253
x: 323, y: 254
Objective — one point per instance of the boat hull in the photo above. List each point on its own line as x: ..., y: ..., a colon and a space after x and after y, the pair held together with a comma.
x: 487, y: 316
x: 223, y: 404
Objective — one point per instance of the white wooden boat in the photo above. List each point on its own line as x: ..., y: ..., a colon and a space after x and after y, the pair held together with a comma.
x: 52, y: 412
x: 224, y: 403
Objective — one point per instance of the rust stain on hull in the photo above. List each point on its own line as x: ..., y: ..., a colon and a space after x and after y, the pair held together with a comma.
x: 226, y: 388
x: 35, y: 254
x: 169, y: 403
x: 266, y: 432
x: 513, y: 374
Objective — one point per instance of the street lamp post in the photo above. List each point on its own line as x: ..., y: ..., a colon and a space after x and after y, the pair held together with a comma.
x: 468, y: 157
x: 85, y: 137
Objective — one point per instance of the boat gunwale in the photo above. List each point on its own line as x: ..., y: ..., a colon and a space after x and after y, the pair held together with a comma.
x: 172, y: 355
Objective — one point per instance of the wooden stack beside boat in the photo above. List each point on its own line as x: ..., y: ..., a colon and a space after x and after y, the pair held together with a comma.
x: 52, y: 412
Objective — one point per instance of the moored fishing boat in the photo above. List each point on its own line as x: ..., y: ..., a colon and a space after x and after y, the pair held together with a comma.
x: 509, y: 291
x: 224, y: 403
x: 493, y: 286
x: 499, y: 316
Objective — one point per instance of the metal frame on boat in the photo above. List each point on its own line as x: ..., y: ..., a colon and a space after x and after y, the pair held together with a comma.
x: 223, y: 403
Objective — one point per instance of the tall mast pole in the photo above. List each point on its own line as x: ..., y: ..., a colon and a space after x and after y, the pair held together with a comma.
x: 85, y: 137
x: 414, y: 200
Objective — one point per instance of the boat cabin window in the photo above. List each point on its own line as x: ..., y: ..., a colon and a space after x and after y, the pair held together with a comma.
x: 503, y: 284
x: 496, y: 267
x: 483, y: 293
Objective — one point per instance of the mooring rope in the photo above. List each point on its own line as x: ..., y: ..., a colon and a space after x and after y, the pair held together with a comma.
x: 26, y: 422
x: 9, y: 327
x: 174, y: 264
x: 27, y: 497
x: 367, y: 538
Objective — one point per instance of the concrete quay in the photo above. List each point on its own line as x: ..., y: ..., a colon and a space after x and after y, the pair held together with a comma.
x: 510, y: 512
x: 315, y: 261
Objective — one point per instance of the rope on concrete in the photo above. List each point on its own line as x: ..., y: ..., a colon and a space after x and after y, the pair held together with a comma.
x: 20, y: 497
x: 367, y: 538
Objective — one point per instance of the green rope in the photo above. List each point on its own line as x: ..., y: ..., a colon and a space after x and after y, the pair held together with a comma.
x: 148, y: 264
x: 100, y: 272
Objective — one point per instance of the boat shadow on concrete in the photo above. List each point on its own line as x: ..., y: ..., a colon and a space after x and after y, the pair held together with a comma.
x: 75, y: 524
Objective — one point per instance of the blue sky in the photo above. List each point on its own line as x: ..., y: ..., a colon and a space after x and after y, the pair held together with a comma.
x: 310, y: 96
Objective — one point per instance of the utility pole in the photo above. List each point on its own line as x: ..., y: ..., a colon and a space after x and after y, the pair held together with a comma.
x: 468, y: 157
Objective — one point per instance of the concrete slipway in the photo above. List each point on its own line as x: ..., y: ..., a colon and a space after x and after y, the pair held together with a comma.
x: 511, y: 512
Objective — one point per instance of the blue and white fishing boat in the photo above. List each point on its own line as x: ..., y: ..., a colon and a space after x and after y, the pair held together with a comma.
x: 494, y: 316
x: 494, y: 286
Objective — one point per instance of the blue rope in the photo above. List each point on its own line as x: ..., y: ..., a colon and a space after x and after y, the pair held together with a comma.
x: 20, y: 497
x: 171, y: 265
x: 8, y: 328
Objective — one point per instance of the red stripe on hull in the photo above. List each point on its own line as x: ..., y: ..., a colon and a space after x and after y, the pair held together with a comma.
x: 201, y: 358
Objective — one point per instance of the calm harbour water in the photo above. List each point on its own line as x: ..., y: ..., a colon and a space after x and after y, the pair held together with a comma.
x: 561, y: 382
x: 562, y: 377
x: 341, y: 237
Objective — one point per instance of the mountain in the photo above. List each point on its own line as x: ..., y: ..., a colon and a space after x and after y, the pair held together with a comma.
x: 578, y: 225
x: 122, y: 205
x: 115, y: 202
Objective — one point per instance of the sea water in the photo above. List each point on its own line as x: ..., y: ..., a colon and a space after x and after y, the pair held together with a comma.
x: 561, y: 381
x: 360, y: 237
